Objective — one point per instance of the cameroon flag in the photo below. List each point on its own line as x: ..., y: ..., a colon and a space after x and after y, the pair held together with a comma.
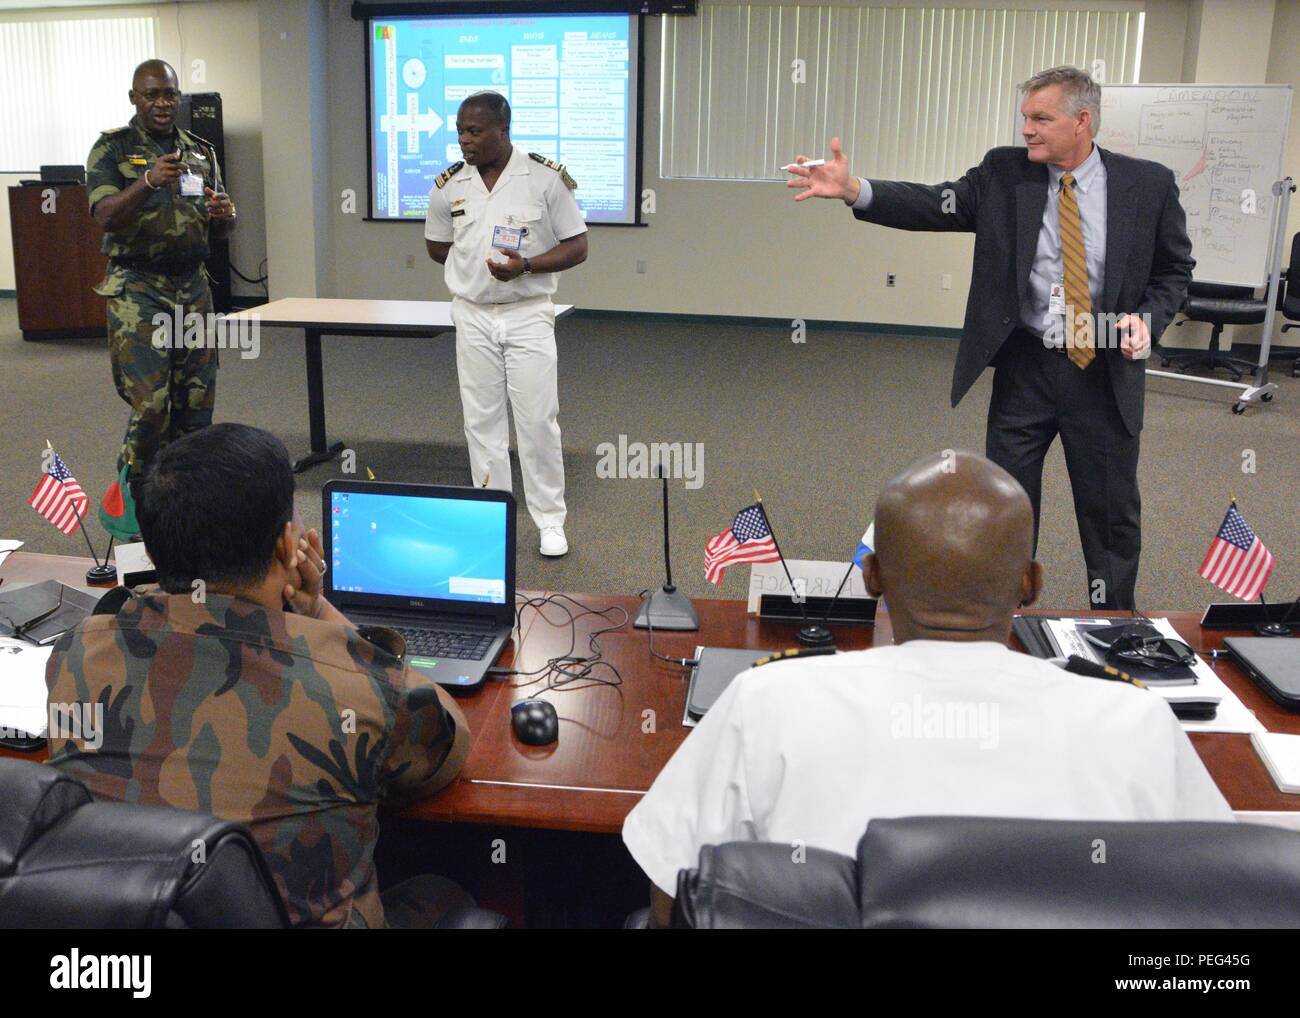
x: 117, y: 511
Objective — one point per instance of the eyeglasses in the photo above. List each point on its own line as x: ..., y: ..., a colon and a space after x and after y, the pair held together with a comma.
x: 153, y: 95
x: 20, y: 630
x: 1139, y: 647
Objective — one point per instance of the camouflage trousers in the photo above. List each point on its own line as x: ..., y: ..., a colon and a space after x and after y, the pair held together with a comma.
x: 168, y: 379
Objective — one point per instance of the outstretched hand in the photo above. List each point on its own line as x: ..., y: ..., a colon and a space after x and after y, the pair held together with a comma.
x: 830, y: 180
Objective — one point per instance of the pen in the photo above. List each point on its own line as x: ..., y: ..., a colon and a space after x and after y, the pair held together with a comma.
x: 807, y: 166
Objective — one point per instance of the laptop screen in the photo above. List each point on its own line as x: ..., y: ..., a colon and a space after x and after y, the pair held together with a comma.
x: 418, y: 547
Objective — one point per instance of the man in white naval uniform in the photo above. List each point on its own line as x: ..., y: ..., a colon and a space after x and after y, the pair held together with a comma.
x: 504, y: 222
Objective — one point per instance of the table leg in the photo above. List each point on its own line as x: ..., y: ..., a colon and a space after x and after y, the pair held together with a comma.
x: 321, y: 450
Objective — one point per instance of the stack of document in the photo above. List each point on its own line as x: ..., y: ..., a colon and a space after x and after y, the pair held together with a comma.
x: 1232, y: 715
x: 23, y: 693
x: 1281, y: 755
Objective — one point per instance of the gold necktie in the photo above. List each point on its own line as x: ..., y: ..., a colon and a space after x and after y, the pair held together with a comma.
x: 1078, y: 301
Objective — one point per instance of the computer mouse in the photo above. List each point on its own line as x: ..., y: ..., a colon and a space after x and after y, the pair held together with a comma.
x: 535, y: 722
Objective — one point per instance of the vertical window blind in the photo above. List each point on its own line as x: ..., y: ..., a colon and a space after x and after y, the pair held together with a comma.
x: 915, y: 93
x: 65, y: 81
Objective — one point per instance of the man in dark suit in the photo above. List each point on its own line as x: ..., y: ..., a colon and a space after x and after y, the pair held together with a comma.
x: 1081, y: 260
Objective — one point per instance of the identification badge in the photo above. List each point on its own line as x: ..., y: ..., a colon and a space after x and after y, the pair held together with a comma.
x: 507, y: 238
x: 191, y: 185
x: 1056, y: 299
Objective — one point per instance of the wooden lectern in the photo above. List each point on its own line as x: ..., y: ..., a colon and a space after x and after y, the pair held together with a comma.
x: 57, y: 261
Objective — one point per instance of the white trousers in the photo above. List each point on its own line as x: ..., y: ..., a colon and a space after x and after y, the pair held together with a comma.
x: 508, y: 351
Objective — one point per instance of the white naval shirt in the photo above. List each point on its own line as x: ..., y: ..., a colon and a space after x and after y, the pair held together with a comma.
x: 807, y: 751
x: 528, y: 194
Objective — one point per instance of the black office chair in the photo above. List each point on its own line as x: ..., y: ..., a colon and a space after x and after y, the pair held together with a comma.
x: 994, y: 873
x: 1219, y: 305
x: 1288, y: 297
x: 68, y: 862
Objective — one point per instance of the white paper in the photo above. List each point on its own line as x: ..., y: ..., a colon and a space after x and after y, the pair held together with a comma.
x: 6, y: 547
x: 23, y: 694
x: 1232, y: 715
x: 820, y: 579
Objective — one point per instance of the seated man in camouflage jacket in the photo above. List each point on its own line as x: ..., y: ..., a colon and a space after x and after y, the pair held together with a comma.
x: 242, y: 692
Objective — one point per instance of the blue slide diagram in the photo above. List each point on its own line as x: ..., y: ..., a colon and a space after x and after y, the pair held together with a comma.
x: 570, y: 81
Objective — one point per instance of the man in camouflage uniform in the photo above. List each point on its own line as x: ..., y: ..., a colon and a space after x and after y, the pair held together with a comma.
x: 250, y: 696
x: 157, y: 192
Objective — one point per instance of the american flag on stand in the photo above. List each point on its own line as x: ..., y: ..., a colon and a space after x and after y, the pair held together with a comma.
x: 1237, y: 560
x: 59, y: 497
x: 748, y: 539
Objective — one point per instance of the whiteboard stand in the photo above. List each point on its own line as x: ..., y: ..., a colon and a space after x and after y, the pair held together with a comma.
x: 1261, y: 391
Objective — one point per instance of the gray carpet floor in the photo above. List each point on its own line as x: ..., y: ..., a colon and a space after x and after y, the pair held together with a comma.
x: 816, y: 427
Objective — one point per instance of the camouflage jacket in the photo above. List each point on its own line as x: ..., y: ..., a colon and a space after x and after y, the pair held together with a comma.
x: 170, y: 228
x: 295, y: 727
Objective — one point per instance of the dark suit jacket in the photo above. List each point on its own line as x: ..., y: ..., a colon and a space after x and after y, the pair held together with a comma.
x: 1148, y: 254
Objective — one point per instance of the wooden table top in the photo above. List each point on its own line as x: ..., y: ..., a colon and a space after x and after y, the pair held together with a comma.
x: 614, y: 740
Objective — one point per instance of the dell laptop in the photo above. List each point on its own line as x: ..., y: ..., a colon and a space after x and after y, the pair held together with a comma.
x: 435, y: 563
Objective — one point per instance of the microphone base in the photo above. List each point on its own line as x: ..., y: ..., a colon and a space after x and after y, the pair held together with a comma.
x: 107, y: 573
x: 1272, y: 629
x: 815, y: 636
x: 661, y: 609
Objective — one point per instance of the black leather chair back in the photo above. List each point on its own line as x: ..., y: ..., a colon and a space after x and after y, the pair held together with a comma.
x: 757, y: 885
x: 1289, y: 294
x: 981, y: 872
x: 67, y: 862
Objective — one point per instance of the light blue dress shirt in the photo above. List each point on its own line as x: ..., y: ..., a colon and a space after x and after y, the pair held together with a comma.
x: 1047, y: 267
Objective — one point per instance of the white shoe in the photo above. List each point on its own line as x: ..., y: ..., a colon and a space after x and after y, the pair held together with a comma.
x: 553, y: 542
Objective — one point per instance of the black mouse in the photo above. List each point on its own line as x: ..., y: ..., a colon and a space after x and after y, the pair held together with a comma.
x: 535, y: 722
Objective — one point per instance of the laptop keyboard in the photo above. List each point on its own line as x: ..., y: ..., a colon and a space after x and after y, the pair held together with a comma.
x: 441, y: 643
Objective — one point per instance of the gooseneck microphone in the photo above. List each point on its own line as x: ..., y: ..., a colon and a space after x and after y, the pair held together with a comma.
x: 667, y: 607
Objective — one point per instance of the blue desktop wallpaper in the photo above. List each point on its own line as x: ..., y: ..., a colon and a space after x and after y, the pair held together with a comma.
x: 419, y: 547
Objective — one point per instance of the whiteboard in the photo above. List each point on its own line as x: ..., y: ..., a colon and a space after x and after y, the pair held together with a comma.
x: 1225, y: 145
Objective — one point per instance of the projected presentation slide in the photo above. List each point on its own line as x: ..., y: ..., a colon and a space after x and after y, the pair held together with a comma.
x: 570, y: 80
x: 419, y: 547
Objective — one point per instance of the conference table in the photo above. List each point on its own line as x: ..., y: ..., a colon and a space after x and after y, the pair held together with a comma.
x: 614, y: 739
x: 328, y: 316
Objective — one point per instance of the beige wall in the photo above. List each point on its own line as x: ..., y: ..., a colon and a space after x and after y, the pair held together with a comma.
x: 292, y: 75
x: 223, y: 35
x: 711, y: 248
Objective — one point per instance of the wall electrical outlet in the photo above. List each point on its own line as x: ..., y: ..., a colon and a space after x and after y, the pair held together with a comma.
x: 890, y: 279
x: 946, y: 281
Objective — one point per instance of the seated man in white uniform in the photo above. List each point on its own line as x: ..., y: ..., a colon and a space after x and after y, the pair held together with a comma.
x: 504, y: 223
x: 946, y: 721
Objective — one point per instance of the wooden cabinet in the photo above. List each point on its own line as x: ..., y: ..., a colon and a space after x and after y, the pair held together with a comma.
x: 57, y: 261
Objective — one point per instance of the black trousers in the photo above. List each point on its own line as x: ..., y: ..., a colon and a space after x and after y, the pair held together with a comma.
x: 1038, y: 394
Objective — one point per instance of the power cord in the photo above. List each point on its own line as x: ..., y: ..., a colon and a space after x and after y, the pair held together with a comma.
x: 566, y: 672
x: 682, y: 662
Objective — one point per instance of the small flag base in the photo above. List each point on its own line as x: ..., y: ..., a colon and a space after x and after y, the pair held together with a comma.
x: 1272, y: 629
x: 815, y: 636
x: 107, y: 573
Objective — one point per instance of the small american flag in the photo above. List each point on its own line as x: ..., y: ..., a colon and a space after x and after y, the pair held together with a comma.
x: 1237, y: 560
x: 59, y: 497
x: 748, y: 539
